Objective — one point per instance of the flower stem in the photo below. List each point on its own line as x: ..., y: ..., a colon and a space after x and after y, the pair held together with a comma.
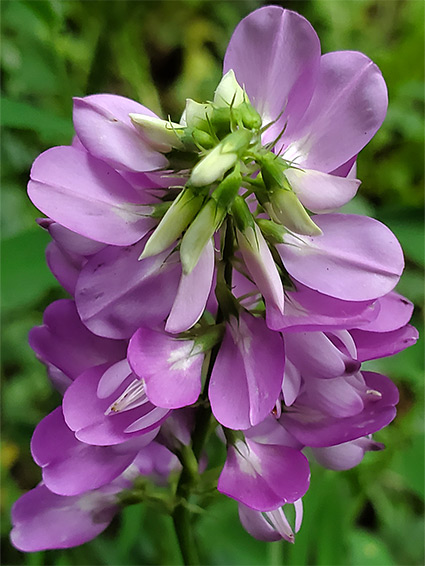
x: 181, y: 515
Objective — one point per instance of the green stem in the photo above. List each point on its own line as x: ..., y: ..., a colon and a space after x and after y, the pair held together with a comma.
x: 181, y: 514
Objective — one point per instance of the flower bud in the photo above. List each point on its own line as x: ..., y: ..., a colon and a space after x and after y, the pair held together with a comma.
x: 220, y: 159
x: 175, y: 220
x: 282, y: 203
x: 161, y: 135
x: 285, y: 208
x: 196, y: 115
x: 242, y: 215
x: 199, y: 232
x: 273, y: 232
x: 229, y: 92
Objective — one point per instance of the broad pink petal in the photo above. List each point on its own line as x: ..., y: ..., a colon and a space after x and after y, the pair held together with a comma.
x: 170, y: 368
x: 247, y: 349
x: 84, y: 413
x: 264, y: 476
x: 356, y: 258
x: 104, y: 127
x: 71, y: 467
x: 87, y: 196
x: 43, y: 520
x: 65, y: 342
x: 275, y: 54
x: 116, y: 293
x: 348, y: 107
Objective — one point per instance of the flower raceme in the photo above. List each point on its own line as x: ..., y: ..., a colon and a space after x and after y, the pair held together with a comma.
x: 214, y: 284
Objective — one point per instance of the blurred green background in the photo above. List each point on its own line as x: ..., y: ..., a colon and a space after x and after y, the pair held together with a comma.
x: 159, y: 53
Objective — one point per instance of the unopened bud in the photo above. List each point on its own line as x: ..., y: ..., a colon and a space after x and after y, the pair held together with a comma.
x: 275, y: 233
x: 228, y: 189
x: 282, y: 203
x: 196, y: 115
x: 249, y: 116
x: 229, y: 92
x: 161, y: 135
x: 285, y: 208
x: 242, y: 215
x: 220, y: 159
x: 175, y: 220
x: 199, y: 232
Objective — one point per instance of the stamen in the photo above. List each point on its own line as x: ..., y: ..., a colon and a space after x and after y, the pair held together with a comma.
x: 374, y: 393
x: 134, y: 396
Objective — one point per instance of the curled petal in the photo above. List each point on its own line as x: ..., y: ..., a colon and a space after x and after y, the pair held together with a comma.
x: 320, y: 192
x: 105, y: 129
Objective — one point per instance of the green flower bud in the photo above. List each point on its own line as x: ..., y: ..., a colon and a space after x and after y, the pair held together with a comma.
x: 282, y: 203
x: 229, y: 92
x: 249, y: 116
x: 196, y: 115
x: 228, y: 189
x: 273, y: 232
x: 242, y: 215
x: 199, y: 232
x: 203, y: 139
x: 175, y: 220
x: 161, y: 135
x: 220, y: 159
x: 285, y: 208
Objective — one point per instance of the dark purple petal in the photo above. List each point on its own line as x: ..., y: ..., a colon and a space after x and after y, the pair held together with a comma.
x: 87, y: 196
x: 65, y: 342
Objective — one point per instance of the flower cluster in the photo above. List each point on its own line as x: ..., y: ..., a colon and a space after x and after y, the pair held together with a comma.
x: 206, y: 296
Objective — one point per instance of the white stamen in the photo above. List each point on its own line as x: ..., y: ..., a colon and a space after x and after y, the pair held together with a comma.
x: 278, y: 520
x: 132, y: 397
x: 374, y: 393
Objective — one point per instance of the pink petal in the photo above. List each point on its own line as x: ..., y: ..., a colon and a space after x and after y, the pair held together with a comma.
x: 348, y: 107
x: 104, y: 127
x: 356, y: 258
x: 87, y: 196
x: 275, y: 55
x: 192, y: 294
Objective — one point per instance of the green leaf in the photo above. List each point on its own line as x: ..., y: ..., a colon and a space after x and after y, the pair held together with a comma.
x: 367, y: 550
x: 48, y: 126
x: 25, y: 276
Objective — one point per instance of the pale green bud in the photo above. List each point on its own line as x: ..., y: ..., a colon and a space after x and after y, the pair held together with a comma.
x: 199, y: 232
x: 220, y: 159
x: 281, y: 202
x: 196, y: 114
x: 228, y: 189
x: 229, y: 92
x: 242, y: 215
x: 161, y: 135
x: 175, y: 220
x: 284, y: 207
x: 273, y: 232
